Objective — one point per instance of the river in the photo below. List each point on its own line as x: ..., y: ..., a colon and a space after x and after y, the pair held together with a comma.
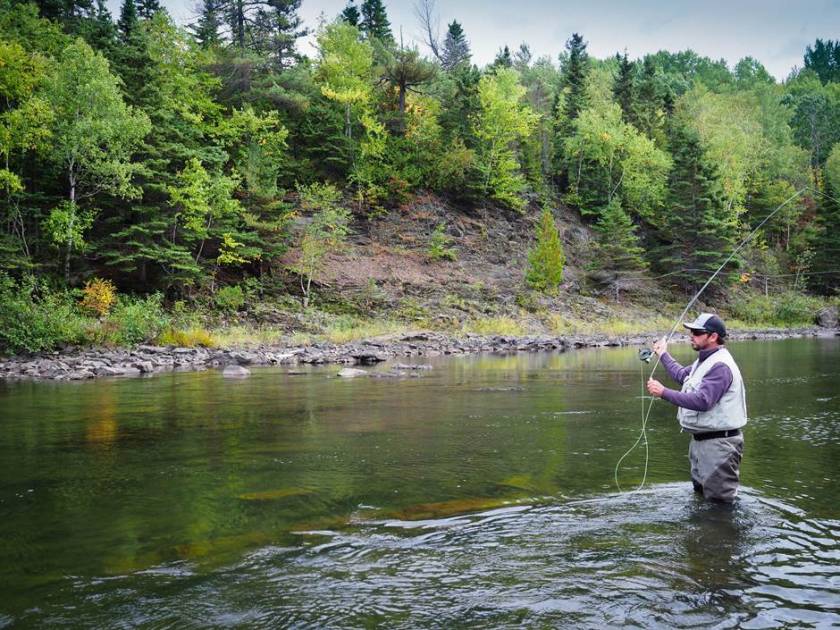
x: 480, y: 493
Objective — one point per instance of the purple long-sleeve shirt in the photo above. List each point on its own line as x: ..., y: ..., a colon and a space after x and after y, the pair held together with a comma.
x: 712, y: 387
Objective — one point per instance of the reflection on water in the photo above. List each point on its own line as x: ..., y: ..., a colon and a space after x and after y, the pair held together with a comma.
x: 661, y: 557
x: 479, y: 494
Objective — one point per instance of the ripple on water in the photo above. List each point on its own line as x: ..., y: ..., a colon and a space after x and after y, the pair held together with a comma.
x: 657, y: 557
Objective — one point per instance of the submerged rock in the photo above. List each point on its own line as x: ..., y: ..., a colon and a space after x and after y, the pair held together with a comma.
x: 351, y: 373
x: 236, y: 371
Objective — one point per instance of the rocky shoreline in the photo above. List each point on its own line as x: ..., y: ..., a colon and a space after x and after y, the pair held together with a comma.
x: 89, y: 363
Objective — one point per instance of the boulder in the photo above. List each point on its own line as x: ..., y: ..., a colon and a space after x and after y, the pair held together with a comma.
x: 351, y: 373
x: 827, y: 317
x: 236, y: 371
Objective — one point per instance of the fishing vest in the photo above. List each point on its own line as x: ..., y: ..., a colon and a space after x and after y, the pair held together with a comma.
x: 730, y: 412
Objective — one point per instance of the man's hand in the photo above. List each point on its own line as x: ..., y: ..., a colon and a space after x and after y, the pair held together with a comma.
x: 660, y: 346
x: 655, y: 388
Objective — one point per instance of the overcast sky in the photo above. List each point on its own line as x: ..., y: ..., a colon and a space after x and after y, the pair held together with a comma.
x: 773, y: 31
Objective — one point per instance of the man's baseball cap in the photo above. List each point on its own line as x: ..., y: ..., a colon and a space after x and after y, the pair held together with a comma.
x: 708, y: 322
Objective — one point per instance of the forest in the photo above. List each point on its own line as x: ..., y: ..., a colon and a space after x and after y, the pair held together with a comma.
x: 153, y: 171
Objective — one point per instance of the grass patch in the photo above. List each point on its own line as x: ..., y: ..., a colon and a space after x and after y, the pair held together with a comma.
x: 247, y: 336
x: 613, y: 326
x: 188, y: 338
x: 346, y: 329
x: 506, y: 326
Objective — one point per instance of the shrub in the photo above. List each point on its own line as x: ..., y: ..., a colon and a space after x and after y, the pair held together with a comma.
x: 546, y: 259
x: 188, y: 338
x: 138, y: 320
x: 439, y: 245
x: 230, y: 299
x: 98, y: 296
x: 786, y: 309
x: 33, y: 319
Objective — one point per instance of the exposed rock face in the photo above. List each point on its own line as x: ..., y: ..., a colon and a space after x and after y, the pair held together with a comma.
x: 827, y: 317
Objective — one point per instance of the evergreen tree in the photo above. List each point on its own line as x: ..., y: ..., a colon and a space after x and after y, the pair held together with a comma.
x: 100, y: 32
x: 405, y: 70
x: 276, y: 30
x: 503, y: 58
x: 826, y: 245
x: 207, y: 29
x: 546, y: 259
x: 623, y: 88
x: 618, y: 256
x: 575, y: 71
x: 351, y: 14
x: 375, y: 24
x: 824, y: 59
x: 146, y: 9
x: 462, y: 106
x: 129, y: 21
x: 649, y: 111
x: 456, y: 49
x: 700, y: 227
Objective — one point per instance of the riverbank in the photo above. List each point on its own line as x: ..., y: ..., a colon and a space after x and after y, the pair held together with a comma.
x: 145, y: 360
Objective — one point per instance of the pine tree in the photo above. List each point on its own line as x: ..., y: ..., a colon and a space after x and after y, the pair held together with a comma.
x: 571, y: 100
x: 129, y: 20
x: 826, y: 245
x: 503, y: 58
x: 375, y: 24
x: 623, y: 88
x: 456, y: 49
x: 618, y: 256
x: 351, y: 14
x: 146, y: 9
x: 546, y: 259
x: 649, y: 110
x: 207, y: 29
x: 700, y: 225
x: 275, y: 32
x: 575, y: 71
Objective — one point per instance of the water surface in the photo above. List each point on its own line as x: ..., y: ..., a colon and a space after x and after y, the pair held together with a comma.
x: 480, y: 492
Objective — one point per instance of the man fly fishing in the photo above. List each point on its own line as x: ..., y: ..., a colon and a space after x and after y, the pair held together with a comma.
x: 712, y: 407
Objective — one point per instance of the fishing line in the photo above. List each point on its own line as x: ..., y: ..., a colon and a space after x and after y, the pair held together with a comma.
x: 646, y: 414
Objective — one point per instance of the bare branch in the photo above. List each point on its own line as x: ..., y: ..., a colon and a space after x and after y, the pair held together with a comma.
x: 430, y: 24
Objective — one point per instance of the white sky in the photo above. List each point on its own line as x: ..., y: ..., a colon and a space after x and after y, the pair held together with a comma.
x: 773, y: 31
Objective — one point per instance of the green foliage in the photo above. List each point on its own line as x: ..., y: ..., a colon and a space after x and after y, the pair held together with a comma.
x: 503, y: 120
x: 325, y: 233
x: 618, y: 256
x: 786, y: 309
x: 230, y: 298
x: 546, y: 259
x: 439, y: 248
x: 611, y: 160
x: 33, y: 319
x: 138, y: 320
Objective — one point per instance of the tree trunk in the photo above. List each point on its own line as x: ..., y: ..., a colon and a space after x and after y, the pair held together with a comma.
x: 70, y: 228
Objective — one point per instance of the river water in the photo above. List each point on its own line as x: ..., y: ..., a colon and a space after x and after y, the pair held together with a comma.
x: 478, y: 493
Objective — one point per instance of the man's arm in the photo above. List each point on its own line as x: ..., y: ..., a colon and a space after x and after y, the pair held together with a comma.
x: 674, y: 369
x: 711, y: 389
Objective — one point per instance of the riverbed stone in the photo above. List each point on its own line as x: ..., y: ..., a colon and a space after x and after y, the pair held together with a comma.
x: 351, y: 373
x: 236, y: 371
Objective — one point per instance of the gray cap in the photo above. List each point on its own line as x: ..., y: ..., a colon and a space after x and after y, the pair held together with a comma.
x: 708, y: 322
